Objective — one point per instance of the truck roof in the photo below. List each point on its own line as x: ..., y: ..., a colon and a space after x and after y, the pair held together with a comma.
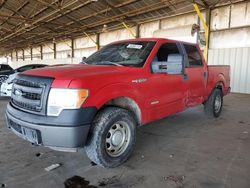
x: 152, y: 39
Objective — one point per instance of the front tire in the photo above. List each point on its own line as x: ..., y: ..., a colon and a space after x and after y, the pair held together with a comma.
x: 112, y: 137
x: 213, y: 106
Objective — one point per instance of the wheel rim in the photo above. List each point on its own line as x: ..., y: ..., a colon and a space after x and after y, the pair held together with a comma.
x: 117, y: 139
x: 217, y: 103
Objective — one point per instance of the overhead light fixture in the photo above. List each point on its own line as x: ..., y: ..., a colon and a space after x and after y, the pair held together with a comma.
x: 105, y: 28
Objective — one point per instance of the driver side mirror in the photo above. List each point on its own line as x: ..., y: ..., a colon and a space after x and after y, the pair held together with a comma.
x: 174, y: 65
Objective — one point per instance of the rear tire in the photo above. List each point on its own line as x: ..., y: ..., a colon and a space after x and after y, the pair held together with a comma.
x: 112, y: 137
x: 213, y: 106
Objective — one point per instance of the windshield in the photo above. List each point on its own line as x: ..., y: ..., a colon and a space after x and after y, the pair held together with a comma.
x: 122, y: 54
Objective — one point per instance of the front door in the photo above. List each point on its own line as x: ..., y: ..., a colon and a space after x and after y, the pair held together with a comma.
x: 166, y: 95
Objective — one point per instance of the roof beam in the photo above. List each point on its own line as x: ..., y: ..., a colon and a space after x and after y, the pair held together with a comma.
x: 145, y: 9
x: 14, y: 17
x: 18, y: 9
x: 2, y: 3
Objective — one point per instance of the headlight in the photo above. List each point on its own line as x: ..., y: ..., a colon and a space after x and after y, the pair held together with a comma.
x: 60, y: 99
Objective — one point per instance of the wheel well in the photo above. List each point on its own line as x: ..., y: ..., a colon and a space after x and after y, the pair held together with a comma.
x: 128, y: 104
x: 219, y: 86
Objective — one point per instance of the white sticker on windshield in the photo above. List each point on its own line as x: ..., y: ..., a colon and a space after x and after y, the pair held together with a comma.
x: 135, y: 46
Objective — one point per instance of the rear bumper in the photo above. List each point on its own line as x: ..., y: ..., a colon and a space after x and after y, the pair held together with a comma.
x: 59, y: 136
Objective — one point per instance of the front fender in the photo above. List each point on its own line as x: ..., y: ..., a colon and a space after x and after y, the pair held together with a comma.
x: 114, y: 91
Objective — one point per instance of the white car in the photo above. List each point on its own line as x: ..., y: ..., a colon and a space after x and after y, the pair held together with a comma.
x: 6, y: 86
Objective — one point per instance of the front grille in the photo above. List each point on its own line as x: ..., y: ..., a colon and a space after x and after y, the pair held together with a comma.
x: 30, y: 93
x: 26, y: 96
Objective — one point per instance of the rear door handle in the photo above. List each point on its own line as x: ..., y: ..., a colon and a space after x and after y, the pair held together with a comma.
x: 185, y: 77
x: 204, y: 75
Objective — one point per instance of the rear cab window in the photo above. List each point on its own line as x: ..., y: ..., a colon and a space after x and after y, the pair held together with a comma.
x: 193, y: 56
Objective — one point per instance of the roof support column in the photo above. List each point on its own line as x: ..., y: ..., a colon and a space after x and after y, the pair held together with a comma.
x: 31, y: 53
x: 98, y: 41
x: 72, y: 48
x: 41, y: 52
x: 205, y: 27
x: 11, y: 56
x: 16, y: 55
x: 23, y: 54
x: 208, y: 21
x: 54, y: 49
x: 137, y: 30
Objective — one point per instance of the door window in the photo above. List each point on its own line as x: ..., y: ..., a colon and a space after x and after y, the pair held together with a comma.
x: 193, y: 55
x: 165, y: 50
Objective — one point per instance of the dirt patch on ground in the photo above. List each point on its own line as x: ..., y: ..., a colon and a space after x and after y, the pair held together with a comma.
x: 77, y: 182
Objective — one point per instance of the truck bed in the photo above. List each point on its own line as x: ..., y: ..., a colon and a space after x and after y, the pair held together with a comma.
x: 219, y: 71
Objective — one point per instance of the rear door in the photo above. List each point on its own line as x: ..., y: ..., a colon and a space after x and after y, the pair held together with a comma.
x: 196, y: 75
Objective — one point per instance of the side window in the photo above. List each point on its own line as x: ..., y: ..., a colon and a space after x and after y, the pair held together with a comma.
x: 22, y: 69
x: 5, y: 67
x: 8, y: 67
x: 165, y: 50
x: 193, y: 55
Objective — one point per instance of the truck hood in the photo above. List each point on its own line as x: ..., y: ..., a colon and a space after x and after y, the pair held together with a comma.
x: 71, y: 72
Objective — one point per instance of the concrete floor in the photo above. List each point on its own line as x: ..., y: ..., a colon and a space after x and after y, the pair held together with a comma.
x: 184, y: 150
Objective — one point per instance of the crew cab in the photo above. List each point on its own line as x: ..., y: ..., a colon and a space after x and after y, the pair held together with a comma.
x: 97, y: 105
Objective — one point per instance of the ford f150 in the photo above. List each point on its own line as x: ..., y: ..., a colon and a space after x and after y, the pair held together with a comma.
x: 98, y: 104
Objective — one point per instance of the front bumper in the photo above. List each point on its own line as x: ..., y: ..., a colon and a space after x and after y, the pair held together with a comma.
x: 57, y: 134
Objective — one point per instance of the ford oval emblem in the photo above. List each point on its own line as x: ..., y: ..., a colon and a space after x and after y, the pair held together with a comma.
x: 18, y: 92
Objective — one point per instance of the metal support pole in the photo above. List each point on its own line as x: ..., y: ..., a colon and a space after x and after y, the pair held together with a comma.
x: 72, y: 48
x: 16, y: 55
x: 11, y: 56
x: 137, y: 35
x: 31, y: 53
x: 54, y: 49
x: 98, y: 41
x: 205, y: 27
x: 41, y: 51
x: 208, y: 21
x: 23, y: 54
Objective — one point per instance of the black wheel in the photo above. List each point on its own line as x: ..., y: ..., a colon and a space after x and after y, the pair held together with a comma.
x: 213, y: 105
x: 112, y: 137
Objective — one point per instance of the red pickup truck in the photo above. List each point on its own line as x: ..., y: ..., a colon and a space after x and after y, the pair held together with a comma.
x: 99, y: 103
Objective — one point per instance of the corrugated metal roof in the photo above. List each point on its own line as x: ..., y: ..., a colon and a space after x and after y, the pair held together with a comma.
x: 25, y: 23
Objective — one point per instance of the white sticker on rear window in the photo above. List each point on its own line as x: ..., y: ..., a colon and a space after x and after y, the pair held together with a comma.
x: 135, y: 46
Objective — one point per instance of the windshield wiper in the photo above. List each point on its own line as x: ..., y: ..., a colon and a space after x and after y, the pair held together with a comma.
x: 108, y: 63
